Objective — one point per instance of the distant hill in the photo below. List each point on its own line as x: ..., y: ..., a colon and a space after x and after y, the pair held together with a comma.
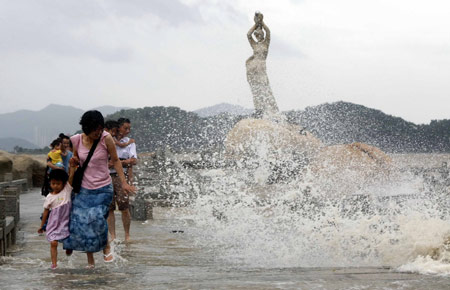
x: 157, y: 127
x: 335, y: 123
x: 107, y: 110
x: 8, y: 144
x: 342, y: 122
x: 223, y: 108
x: 41, y: 127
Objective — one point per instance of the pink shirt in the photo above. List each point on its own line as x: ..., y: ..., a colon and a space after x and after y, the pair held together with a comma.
x: 96, y: 174
x: 53, y: 201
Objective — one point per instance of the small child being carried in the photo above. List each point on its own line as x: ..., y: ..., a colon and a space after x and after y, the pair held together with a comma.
x: 112, y: 127
x: 55, y: 155
x: 59, y: 202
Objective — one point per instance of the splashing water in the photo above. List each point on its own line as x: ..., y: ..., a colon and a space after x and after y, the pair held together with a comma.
x: 401, y: 223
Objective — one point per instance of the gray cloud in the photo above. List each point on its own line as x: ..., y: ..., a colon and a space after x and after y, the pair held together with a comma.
x: 172, y: 12
x: 192, y: 53
x: 61, y: 26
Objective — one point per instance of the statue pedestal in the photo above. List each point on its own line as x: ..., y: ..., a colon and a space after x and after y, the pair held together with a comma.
x: 260, y: 138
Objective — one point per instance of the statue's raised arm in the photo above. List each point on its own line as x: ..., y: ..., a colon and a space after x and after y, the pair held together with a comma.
x: 267, y: 30
x: 250, y: 37
x: 261, y: 33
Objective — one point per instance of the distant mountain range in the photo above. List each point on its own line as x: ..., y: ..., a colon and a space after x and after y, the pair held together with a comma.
x: 158, y: 127
x: 223, y: 108
x: 40, y: 127
x: 335, y: 123
x: 8, y: 144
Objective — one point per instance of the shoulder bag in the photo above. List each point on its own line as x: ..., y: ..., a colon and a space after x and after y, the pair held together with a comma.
x: 78, y: 176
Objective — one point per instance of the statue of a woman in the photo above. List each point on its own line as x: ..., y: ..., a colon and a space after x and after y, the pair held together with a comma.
x: 263, y: 99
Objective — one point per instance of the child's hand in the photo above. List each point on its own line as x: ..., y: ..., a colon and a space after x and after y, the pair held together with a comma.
x: 40, y: 231
x: 131, y: 141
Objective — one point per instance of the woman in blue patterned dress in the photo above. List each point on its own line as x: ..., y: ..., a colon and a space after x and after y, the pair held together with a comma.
x: 88, y: 226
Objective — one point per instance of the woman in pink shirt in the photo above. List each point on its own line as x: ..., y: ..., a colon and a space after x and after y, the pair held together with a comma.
x: 88, y: 226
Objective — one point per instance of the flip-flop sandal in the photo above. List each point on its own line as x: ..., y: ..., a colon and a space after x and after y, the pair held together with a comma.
x: 90, y: 267
x: 107, y: 256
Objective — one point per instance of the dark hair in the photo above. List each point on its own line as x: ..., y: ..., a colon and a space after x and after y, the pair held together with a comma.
x: 91, y: 120
x: 111, y: 124
x: 122, y: 121
x: 55, y: 142
x: 59, y: 175
x: 63, y: 136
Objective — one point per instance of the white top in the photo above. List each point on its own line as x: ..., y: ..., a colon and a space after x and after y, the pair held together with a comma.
x: 55, y: 200
x: 125, y: 152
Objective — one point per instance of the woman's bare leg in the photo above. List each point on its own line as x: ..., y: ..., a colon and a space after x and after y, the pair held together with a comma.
x: 90, y: 258
x: 112, y: 225
x: 106, y: 252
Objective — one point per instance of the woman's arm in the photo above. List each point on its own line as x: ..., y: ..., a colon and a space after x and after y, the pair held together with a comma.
x: 267, y: 38
x: 51, y: 165
x: 75, y: 150
x: 128, y: 162
x: 130, y: 175
x: 121, y: 145
x: 249, y: 35
x: 73, y: 164
x: 117, y: 164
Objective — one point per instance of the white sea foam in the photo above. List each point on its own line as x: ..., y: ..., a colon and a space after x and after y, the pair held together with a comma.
x: 296, y: 225
x: 427, y: 265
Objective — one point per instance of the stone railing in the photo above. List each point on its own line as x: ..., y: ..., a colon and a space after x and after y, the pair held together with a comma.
x: 9, y: 210
x: 166, y: 178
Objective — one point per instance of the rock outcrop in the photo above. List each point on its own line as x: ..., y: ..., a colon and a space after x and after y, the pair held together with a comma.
x: 349, y: 167
x: 25, y: 166
x: 6, y: 166
x: 261, y: 138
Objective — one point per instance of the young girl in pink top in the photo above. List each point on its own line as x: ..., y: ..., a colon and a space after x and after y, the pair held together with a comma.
x: 59, y: 202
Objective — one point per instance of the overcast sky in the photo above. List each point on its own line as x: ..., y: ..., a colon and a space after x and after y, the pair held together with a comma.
x: 388, y: 55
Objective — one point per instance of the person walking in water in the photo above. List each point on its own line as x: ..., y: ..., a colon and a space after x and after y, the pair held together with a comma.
x: 88, y: 226
x: 59, y: 202
x: 128, y: 158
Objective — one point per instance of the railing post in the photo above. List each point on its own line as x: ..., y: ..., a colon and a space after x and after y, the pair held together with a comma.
x: 12, y: 196
x: 2, y: 224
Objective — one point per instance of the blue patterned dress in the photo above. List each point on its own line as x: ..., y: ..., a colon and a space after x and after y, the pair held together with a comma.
x: 88, y: 226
